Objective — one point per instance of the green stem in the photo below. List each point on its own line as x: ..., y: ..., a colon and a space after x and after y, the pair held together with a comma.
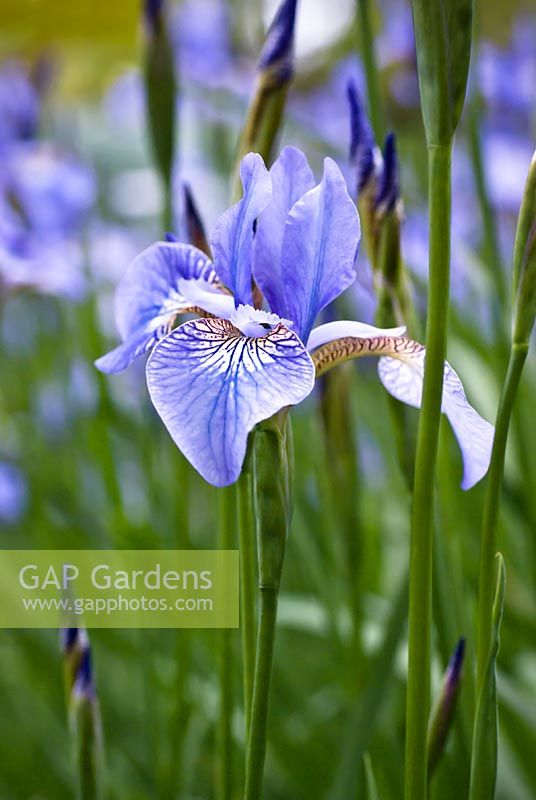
x: 246, y: 535
x: 421, y: 560
x: 86, y: 725
x: 261, y: 693
x: 272, y: 482
x: 492, y: 249
x: 371, y: 68
x: 225, y: 778
x: 486, y: 585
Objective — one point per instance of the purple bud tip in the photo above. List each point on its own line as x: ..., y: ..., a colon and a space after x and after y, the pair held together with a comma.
x: 277, y: 51
x: 361, y: 138
x: 193, y: 224
x: 84, y: 677
x: 69, y: 638
x: 171, y: 237
x: 389, y: 190
x: 456, y: 662
x: 153, y: 10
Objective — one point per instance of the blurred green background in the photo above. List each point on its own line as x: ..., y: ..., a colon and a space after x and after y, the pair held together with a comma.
x: 86, y: 463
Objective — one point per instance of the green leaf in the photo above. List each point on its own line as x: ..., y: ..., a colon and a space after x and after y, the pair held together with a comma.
x: 485, y: 739
x: 372, y: 789
x: 443, y: 41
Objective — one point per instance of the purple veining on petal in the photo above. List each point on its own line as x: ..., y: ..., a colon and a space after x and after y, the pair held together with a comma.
x: 151, y: 292
x: 211, y: 385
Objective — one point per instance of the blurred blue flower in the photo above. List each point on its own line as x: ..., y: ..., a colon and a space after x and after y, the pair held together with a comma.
x: 201, y: 37
x: 507, y: 77
x: 13, y: 493
x: 19, y: 104
x: 48, y: 191
x: 45, y: 194
x: 213, y: 379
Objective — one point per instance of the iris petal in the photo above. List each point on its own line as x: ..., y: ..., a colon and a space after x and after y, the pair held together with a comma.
x: 211, y: 385
x: 150, y: 286
x: 232, y: 240
x: 155, y: 288
x: 121, y: 357
x: 319, y: 248
x: 291, y: 179
x: 404, y: 380
x: 342, y: 328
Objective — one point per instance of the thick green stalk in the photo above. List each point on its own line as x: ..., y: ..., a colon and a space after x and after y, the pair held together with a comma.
x: 225, y: 777
x: 368, y: 55
x: 85, y: 725
x: 486, y: 586
x: 268, y: 596
x: 246, y: 533
x: 340, y: 435
x: 272, y: 467
x: 491, y: 241
x: 420, y: 595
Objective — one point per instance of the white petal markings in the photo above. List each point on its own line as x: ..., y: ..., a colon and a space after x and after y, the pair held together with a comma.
x: 211, y: 385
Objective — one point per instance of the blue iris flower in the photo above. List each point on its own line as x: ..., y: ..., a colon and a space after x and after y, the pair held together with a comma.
x: 212, y: 379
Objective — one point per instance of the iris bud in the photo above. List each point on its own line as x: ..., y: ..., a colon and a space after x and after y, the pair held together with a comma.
x: 525, y: 263
x: 272, y: 495
x: 443, y: 711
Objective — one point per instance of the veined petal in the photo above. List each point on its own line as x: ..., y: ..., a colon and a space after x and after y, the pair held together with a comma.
x: 404, y: 380
x: 343, y: 328
x: 150, y: 286
x: 211, y: 385
x: 232, y: 240
x: 319, y: 247
x: 291, y: 177
x: 401, y: 370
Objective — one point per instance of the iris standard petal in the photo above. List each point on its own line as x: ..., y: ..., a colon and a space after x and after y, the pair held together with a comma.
x: 319, y: 248
x: 211, y: 385
x: 291, y: 178
x: 232, y: 240
x: 150, y: 286
x: 404, y: 380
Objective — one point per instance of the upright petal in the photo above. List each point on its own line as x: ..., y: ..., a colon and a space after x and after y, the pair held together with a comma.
x: 291, y: 177
x: 404, y: 380
x: 211, y: 385
x: 232, y: 240
x: 319, y: 248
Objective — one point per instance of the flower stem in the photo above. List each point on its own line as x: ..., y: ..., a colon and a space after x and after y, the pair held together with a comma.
x: 371, y: 68
x: 246, y: 535
x: 225, y: 777
x: 487, y: 578
x: 261, y: 693
x: 421, y: 561
x: 272, y: 481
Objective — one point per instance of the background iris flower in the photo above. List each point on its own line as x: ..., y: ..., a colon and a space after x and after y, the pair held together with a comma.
x: 213, y: 379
